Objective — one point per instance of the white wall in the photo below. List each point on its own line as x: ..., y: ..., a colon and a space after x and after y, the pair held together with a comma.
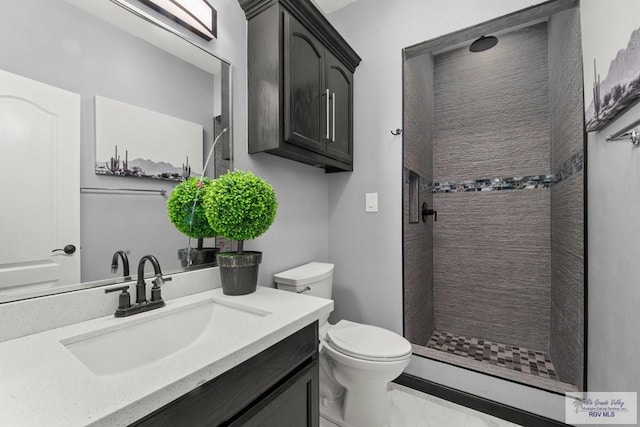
x: 614, y: 208
x: 300, y: 231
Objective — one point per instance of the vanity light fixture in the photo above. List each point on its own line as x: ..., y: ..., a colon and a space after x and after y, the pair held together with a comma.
x: 196, y: 15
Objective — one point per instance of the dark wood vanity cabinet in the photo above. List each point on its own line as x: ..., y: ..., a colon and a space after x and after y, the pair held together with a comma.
x: 294, y: 403
x: 278, y: 387
x: 300, y: 84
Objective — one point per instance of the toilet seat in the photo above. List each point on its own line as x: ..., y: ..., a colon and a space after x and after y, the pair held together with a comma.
x: 367, y: 342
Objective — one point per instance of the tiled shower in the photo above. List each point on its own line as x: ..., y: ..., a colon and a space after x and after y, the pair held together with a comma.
x: 493, y: 143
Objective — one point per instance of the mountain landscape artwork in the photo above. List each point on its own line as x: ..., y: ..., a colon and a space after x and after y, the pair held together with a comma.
x: 135, y: 142
x: 620, y: 88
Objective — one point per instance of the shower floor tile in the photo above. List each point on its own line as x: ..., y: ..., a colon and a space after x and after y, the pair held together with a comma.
x: 507, y: 356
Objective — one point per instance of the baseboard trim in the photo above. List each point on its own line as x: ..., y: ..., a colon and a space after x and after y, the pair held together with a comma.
x: 477, y: 403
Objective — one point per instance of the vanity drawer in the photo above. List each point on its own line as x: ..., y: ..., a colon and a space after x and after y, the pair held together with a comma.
x: 225, y: 399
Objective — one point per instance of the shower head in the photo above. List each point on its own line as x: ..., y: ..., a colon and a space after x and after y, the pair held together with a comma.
x: 483, y: 43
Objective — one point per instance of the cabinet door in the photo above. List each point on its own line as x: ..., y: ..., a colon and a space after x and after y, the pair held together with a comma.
x: 294, y: 404
x: 339, y: 80
x: 304, y: 94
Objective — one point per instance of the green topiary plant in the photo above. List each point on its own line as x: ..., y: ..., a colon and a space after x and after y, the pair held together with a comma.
x: 186, y: 209
x: 240, y: 206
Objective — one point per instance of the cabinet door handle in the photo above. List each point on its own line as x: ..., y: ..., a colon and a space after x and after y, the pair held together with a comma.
x: 333, y: 139
x: 327, y: 113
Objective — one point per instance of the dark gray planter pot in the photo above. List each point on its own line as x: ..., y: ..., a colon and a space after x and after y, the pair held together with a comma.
x: 198, y: 256
x: 239, y: 272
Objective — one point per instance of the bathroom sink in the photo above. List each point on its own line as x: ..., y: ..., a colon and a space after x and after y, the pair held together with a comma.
x: 145, y: 340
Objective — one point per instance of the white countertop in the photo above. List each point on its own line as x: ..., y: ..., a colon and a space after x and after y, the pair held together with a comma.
x: 43, y: 384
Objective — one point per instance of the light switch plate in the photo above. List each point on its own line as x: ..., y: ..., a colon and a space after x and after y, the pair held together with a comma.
x: 371, y: 202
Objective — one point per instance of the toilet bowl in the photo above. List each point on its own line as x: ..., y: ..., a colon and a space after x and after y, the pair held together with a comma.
x: 357, y: 361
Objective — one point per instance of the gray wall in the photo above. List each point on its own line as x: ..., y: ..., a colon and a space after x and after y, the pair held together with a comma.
x: 56, y: 43
x: 419, y: 315
x: 300, y: 231
x: 567, y: 198
x: 492, y: 249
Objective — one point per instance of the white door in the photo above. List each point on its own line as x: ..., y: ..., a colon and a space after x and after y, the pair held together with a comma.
x: 39, y: 184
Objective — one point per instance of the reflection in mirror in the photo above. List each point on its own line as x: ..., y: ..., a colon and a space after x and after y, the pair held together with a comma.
x: 51, y: 72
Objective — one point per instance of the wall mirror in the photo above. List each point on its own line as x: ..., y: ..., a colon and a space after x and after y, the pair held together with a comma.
x: 114, y: 49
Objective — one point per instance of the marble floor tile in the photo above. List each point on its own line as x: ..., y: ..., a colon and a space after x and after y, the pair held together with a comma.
x: 437, y: 412
x: 406, y: 408
x: 411, y: 408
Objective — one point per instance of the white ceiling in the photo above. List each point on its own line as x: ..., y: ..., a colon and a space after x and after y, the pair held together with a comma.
x: 330, y: 6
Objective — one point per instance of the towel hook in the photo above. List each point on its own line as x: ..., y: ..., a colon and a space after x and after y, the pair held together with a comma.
x: 396, y: 132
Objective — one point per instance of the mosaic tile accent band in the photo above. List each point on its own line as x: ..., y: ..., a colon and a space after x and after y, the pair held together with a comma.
x: 494, y: 184
x: 510, y: 357
x: 568, y: 168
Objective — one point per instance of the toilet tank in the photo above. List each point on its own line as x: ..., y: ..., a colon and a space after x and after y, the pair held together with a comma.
x: 314, y: 278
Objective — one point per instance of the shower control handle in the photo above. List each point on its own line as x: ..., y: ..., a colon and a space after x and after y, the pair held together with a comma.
x: 427, y: 212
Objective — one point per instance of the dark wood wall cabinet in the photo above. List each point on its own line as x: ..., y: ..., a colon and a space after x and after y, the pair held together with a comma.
x: 278, y: 387
x: 300, y: 84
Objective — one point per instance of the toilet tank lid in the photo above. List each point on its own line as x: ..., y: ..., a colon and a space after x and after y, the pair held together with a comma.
x: 304, y: 274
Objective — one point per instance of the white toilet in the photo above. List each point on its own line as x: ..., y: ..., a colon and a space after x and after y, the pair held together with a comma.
x: 356, y: 361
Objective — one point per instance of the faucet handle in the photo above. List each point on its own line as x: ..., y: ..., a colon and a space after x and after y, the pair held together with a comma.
x: 124, y: 300
x: 155, y: 289
x: 159, y: 280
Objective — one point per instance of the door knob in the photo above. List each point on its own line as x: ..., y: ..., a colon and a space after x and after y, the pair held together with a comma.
x: 68, y: 250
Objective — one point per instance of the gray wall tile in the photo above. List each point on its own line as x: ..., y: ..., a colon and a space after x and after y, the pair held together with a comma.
x: 492, y: 109
x: 567, y: 279
x: 565, y: 86
x: 419, y: 318
x: 507, y: 266
x: 418, y: 117
x: 492, y: 249
x: 567, y: 198
x: 492, y: 266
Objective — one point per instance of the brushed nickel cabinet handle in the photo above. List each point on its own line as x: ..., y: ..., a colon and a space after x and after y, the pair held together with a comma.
x: 327, y: 113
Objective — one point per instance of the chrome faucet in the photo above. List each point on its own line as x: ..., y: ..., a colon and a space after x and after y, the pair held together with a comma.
x: 142, y: 304
x: 125, y: 264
